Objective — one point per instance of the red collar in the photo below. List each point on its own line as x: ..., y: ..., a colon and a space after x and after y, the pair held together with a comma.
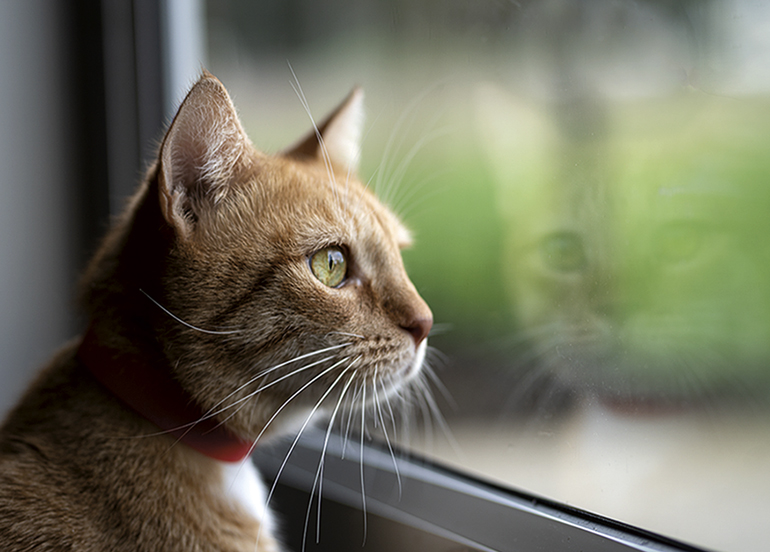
x: 154, y: 394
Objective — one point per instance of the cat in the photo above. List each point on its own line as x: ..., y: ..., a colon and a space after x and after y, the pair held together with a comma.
x: 238, y: 294
x: 631, y: 255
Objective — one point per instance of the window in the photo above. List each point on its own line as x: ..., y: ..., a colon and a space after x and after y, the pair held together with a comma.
x: 587, y: 186
x: 586, y: 183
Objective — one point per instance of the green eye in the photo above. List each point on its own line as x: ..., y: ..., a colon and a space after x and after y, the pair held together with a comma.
x: 329, y: 266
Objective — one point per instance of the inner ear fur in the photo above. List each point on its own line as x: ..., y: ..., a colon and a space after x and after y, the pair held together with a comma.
x: 200, y: 153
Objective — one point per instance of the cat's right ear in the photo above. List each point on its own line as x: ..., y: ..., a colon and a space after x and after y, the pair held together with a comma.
x: 199, y: 154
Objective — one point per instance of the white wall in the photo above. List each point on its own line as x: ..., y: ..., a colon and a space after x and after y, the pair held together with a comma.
x: 37, y: 233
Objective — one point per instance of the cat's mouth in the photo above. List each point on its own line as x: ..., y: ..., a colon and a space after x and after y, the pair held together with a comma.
x: 385, y: 364
x: 360, y: 387
x: 391, y: 356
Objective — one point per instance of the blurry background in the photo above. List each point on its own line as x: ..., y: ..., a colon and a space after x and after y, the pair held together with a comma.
x: 587, y: 182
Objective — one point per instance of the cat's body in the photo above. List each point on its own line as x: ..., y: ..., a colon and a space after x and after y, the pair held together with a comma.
x: 75, y: 476
x: 232, y: 273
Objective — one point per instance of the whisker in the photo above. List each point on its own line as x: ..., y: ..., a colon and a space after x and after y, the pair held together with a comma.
x: 352, y: 409
x: 385, y: 433
x: 407, y: 204
x: 319, y: 474
x: 212, y: 412
x: 439, y: 417
x: 440, y: 329
x: 394, y: 176
x: 390, y: 412
x: 347, y: 334
x: 266, y: 386
x: 294, y: 395
x: 438, y: 384
x: 361, y: 456
x: 405, y: 420
x: 388, y: 152
x: 426, y: 416
x: 322, y: 144
x: 300, y: 432
x: 187, y: 324
x: 397, y: 178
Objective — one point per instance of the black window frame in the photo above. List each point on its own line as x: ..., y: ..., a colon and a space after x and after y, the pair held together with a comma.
x: 449, y: 510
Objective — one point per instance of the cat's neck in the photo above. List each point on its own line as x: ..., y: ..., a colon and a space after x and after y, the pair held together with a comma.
x: 147, y: 386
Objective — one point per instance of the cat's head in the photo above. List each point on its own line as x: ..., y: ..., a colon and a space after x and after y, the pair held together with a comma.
x: 635, y: 255
x: 248, y: 271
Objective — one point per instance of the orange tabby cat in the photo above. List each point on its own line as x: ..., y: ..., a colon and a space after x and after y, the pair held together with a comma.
x: 238, y: 292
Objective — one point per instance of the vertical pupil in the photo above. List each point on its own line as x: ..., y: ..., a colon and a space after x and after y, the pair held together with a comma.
x: 334, y: 259
x: 329, y: 266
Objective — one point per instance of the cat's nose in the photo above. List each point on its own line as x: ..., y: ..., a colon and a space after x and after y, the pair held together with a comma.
x: 419, y: 328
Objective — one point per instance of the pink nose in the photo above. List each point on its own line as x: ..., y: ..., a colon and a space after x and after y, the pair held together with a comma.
x: 419, y: 329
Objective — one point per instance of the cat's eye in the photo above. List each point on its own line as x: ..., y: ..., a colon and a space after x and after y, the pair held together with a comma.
x: 329, y: 265
x: 563, y: 252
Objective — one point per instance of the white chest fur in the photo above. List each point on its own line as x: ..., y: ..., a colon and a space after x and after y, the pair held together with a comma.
x: 242, y: 486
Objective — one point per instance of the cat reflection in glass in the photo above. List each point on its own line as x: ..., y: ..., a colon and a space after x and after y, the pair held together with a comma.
x: 636, y: 252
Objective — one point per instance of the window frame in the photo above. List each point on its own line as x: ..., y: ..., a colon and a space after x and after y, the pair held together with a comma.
x: 458, y: 509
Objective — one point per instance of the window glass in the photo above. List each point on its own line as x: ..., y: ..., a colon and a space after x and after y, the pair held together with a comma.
x: 588, y: 186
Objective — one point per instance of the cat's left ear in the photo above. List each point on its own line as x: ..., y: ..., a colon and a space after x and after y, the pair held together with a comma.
x: 200, y: 154
x: 338, y: 136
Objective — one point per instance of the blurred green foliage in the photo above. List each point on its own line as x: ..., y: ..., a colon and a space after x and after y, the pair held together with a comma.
x: 635, y: 240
